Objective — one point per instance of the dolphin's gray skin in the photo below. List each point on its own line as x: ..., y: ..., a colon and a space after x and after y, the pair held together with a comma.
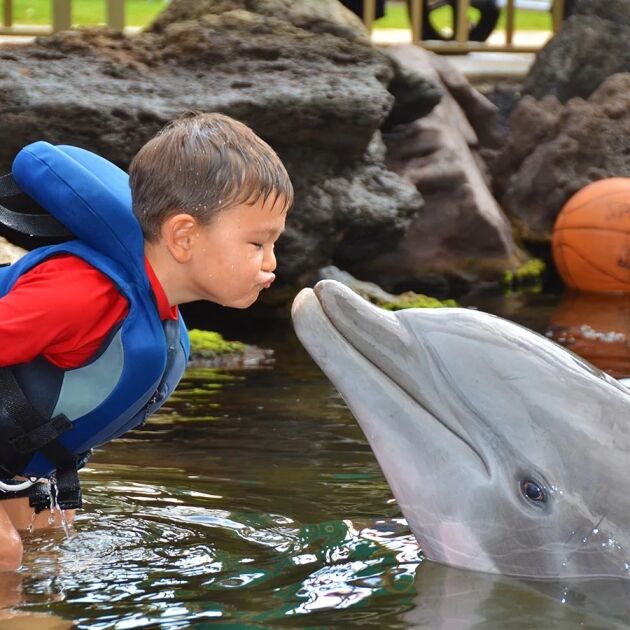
x: 506, y: 452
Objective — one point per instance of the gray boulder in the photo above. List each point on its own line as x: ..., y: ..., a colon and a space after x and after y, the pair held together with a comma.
x: 316, y: 17
x: 591, y: 46
x: 415, y: 94
x: 304, y: 75
x: 554, y: 150
x: 461, y: 233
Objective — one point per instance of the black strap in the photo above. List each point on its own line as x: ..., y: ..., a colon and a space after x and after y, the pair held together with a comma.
x: 40, y: 436
x: 16, y: 494
x: 34, y: 224
x: 9, y: 187
x: 34, y: 432
x: 65, y: 491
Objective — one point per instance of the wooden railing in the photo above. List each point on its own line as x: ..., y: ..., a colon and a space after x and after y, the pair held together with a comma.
x: 61, y: 18
x: 115, y: 18
x: 460, y: 42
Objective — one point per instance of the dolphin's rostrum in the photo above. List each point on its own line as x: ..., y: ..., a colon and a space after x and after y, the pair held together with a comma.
x: 506, y: 452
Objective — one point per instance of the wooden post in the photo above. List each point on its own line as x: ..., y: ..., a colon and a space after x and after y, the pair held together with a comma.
x: 116, y: 14
x: 557, y: 14
x: 461, y: 24
x: 509, y: 22
x: 369, y: 14
x: 8, y: 13
x: 62, y: 15
x: 416, y: 20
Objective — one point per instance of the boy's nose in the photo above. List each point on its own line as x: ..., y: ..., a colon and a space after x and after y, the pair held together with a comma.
x: 269, y: 261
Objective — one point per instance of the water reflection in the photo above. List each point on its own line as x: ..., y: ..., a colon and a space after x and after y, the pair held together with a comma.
x: 252, y: 499
x: 178, y: 563
x: 450, y: 599
x: 597, y: 327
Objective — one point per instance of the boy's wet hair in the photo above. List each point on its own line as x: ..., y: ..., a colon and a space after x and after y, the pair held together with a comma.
x: 202, y: 164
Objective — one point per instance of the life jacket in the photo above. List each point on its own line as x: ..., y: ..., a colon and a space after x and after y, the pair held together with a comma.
x: 140, y: 363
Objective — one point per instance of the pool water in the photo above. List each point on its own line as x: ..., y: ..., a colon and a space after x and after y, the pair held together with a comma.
x: 252, y: 500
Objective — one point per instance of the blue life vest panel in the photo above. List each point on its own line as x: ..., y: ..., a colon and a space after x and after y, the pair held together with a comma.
x: 142, y: 361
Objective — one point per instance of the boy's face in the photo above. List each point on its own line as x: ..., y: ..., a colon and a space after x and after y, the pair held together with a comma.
x: 233, y: 258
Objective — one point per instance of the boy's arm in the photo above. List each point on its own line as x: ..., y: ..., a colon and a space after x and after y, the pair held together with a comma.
x: 62, y: 309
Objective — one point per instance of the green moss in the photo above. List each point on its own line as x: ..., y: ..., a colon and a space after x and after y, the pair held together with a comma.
x: 204, y: 376
x: 532, y: 270
x: 416, y: 300
x: 206, y: 342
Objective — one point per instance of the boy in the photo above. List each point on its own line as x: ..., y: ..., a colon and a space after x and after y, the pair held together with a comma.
x: 211, y: 200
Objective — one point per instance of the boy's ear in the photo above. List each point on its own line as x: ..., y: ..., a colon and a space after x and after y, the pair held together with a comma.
x: 179, y: 232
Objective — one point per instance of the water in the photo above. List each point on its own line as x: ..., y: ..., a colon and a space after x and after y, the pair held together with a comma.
x: 253, y: 501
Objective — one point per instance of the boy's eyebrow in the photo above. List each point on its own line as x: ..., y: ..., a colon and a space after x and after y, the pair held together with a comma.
x: 269, y: 231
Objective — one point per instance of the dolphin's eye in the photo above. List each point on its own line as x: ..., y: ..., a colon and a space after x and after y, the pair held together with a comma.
x: 533, y: 491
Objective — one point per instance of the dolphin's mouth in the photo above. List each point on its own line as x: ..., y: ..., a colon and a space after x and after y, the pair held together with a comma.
x: 380, y: 339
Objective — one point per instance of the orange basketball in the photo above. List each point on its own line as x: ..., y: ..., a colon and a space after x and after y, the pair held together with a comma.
x: 591, y: 238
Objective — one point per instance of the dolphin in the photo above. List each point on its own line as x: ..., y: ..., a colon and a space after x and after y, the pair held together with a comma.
x: 507, y: 453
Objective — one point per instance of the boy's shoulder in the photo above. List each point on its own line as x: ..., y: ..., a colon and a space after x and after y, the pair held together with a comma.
x: 68, y: 282
x: 58, y: 268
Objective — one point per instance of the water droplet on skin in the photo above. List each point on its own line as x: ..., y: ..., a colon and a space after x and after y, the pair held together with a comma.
x: 31, y: 525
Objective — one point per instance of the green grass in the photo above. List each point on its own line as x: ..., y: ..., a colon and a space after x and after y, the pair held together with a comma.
x: 141, y: 12
x: 84, y: 12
